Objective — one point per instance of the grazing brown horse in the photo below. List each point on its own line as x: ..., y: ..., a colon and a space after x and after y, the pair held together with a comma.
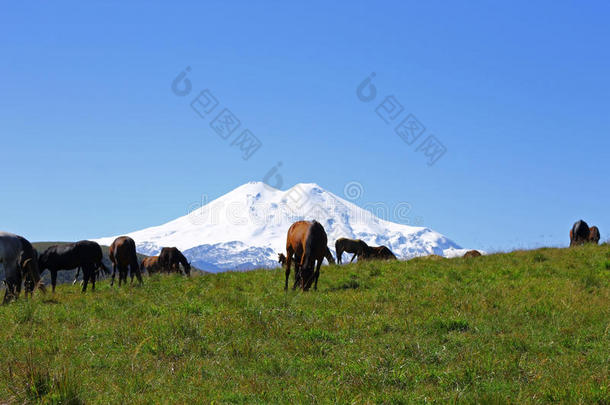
x: 579, y: 233
x: 472, y: 253
x: 170, y: 260
x: 151, y: 264
x: 123, y: 255
x: 377, y: 253
x: 355, y: 246
x: 295, y: 246
x: 307, y: 242
x: 594, y: 235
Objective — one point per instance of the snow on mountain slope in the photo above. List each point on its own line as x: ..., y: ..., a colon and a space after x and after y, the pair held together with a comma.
x: 245, y: 228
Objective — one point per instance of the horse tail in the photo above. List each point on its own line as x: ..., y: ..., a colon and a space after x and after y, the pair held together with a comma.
x: 135, y: 264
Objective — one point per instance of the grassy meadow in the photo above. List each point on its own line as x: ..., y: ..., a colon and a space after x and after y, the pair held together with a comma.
x: 522, y: 327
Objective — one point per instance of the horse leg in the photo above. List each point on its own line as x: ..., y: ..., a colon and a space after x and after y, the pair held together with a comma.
x: 138, y: 276
x: 288, y: 263
x: 339, y: 255
x: 86, y: 276
x: 353, y: 257
x: 305, y: 277
x: 298, y: 268
x: 93, y: 276
x: 317, y: 275
x: 76, y: 275
x: 53, y: 279
x: 7, y: 296
x: 113, y: 273
x: 18, y: 289
x: 135, y: 268
x: 8, y: 293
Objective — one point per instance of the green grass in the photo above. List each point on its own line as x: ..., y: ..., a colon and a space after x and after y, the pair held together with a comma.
x: 522, y: 327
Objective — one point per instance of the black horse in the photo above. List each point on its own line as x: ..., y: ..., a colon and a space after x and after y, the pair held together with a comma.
x: 18, y: 258
x: 84, y: 254
x: 170, y: 260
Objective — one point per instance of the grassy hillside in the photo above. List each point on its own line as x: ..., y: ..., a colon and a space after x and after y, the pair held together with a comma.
x: 523, y: 327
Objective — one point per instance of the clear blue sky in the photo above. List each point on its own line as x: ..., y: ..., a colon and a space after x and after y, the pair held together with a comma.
x: 95, y: 143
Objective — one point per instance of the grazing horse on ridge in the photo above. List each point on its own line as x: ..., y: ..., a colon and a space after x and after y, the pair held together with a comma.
x: 151, y: 264
x: 594, y: 235
x: 123, y: 256
x: 579, y: 233
x: 378, y: 253
x: 84, y: 254
x: 307, y: 241
x: 170, y: 260
x: 355, y: 246
x: 472, y: 253
x: 19, y: 259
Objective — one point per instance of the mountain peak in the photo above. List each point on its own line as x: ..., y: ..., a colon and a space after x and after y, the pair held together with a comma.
x: 307, y: 186
x: 247, y: 227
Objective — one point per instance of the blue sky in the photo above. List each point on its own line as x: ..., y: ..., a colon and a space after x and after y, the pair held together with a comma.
x: 95, y: 143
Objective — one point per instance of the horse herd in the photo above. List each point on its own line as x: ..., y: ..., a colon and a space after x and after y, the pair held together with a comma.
x: 581, y: 233
x: 306, y: 246
x: 23, y: 265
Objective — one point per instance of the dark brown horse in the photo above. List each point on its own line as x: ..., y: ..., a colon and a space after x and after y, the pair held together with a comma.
x: 377, y: 253
x: 151, y: 264
x: 472, y: 253
x: 123, y: 256
x: 355, y: 246
x: 594, y: 235
x: 579, y: 233
x: 170, y: 260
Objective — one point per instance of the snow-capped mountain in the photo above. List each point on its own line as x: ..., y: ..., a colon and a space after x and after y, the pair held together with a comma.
x: 247, y: 227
